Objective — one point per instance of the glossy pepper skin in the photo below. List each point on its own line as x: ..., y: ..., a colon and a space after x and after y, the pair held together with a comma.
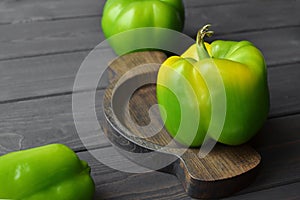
x: 243, y: 72
x: 123, y: 15
x: 48, y: 172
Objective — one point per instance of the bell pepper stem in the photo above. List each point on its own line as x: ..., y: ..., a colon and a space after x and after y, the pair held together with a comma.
x: 201, y: 49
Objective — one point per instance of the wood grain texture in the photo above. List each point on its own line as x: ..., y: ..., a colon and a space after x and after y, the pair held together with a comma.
x: 283, y: 101
x: 283, y: 85
x: 234, y: 18
x: 30, y: 77
x: 48, y: 75
x: 29, y: 11
x: 290, y: 191
x: 41, y: 76
x: 38, y: 122
x: 113, y: 184
x: 15, y: 116
x: 49, y: 37
x: 34, y: 10
x: 46, y: 37
x: 31, y: 28
x: 50, y: 120
x: 273, y: 172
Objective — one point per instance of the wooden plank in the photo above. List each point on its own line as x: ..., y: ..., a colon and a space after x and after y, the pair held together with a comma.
x: 41, y: 76
x: 197, y: 3
x: 49, y: 120
x: 33, y: 39
x: 29, y: 123
x: 113, y: 184
x: 42, y: 121
x: 50, y: 37
x: 284, y: 86
x: 45, y: 75
x: 257, y: 15
x: 290, y: 191
x: 275, y: 171
x: 35, y: 10
x: 277, y: 131
x: 52, y: 75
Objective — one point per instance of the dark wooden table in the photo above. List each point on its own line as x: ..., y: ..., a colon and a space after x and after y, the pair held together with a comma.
x: 42, y: 44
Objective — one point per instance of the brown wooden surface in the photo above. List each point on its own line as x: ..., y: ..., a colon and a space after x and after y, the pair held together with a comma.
x: 42, y: 44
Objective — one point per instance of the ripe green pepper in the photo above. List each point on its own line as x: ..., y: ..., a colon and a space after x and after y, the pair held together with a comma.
x: 48, y: 172
x: 243, y: 73
x: 129, y: 16
x: 123, y: 15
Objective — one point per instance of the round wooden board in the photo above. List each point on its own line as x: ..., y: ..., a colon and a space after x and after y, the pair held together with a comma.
x: 127, y: 100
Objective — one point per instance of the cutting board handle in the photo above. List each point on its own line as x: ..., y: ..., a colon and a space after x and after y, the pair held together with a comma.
x: 221, y: 173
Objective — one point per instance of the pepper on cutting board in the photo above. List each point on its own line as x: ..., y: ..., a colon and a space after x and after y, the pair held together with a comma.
x: 48, y: 172
x: 242, y: 69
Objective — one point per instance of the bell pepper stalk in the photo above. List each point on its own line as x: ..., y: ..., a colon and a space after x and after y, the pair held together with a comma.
x: 242, y: 69
x: 48, y: 172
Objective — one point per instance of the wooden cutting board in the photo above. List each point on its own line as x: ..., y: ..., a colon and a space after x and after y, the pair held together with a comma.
x: 128, y: 98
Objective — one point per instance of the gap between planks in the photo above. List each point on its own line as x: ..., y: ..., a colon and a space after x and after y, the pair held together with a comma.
x: 32, y: 38
x: 234, y: 34
x: 44, y: 117
x: 67, y: 93
x: 99, y: 172
x: 86, y: 10
x: 281, y: 103
x: 226, y: 35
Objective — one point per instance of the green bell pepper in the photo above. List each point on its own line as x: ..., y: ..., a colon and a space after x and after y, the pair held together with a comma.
x: 243, y: 73
x: 123, y: 15
x: 129, y: 16
x: 48, y: 172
